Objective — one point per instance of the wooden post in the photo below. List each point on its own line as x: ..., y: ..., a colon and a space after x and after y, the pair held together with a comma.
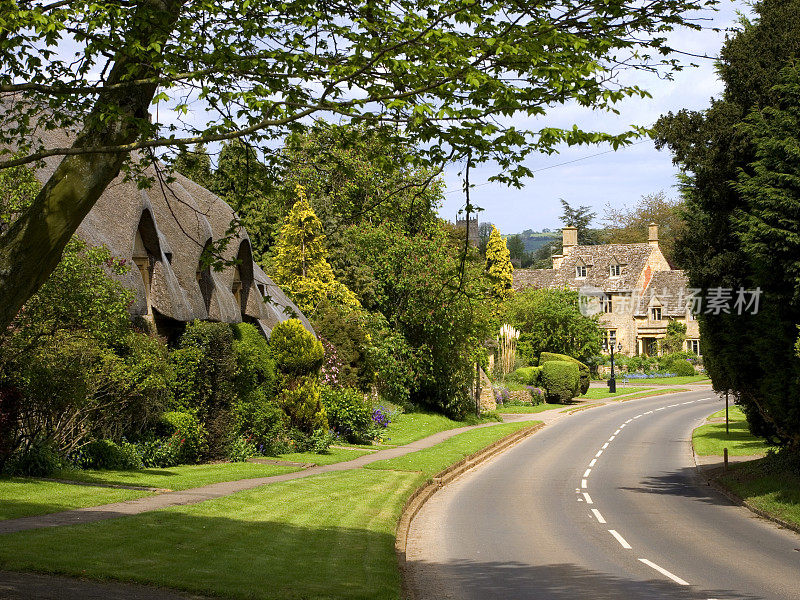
x: 725, y: 456
x: 727, y: 426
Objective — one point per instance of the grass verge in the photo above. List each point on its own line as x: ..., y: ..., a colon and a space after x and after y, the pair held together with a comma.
x: 321, y: 537
x: 23, y: 497
x: 528, y: 408
x: 601, y: 394
x: 182, y: 477
x: 669, y: 380
x: 711, y: 438
x: 410, y: 427
x: 766, y: 486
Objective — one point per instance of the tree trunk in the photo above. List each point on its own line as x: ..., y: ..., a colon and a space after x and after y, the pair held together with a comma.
x: 33, y: 245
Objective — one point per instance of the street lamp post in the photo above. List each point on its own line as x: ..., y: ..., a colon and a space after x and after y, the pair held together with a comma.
x: 612, y: 381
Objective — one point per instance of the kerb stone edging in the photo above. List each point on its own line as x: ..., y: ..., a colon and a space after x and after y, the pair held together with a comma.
x: 706, y: 475
x: 416, y: 501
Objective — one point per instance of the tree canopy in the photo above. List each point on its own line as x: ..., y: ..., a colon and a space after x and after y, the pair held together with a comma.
x: 445, y: 74
x: 739, y: 181
x: 498, y: 265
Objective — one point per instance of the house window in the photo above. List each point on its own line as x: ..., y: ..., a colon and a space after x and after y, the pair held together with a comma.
x: 580, y: 271
x: 608, y: 306
x: 609, y: 337
x: 655, y: 313
x: 614, y: 270
x: 693, y: 346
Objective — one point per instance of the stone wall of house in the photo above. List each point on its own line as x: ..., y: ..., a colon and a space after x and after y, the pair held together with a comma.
x: 487, y: 401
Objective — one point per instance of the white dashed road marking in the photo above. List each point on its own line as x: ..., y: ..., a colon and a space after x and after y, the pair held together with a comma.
x: 620, y: 539
x: 588, y: 498
x: 583, y: 484
x: 598, y: 516
x: 598, y: 454
x: 586, y: 473
x: 664, y: 572
x: 592, y: 462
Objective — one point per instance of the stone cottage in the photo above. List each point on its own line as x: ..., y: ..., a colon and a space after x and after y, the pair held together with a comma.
x: 632, y: 286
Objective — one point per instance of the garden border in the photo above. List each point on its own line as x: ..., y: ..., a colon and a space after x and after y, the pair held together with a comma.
x: 421, y: 495
x: 706, y: 474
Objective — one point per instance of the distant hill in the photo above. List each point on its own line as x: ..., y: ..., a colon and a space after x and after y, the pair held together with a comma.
x: 536, y: 239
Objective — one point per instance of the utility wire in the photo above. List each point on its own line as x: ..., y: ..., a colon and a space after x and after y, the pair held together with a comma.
x: 569, y: 162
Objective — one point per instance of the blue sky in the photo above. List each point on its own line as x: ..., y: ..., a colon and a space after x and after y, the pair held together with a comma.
x: 618, y: 178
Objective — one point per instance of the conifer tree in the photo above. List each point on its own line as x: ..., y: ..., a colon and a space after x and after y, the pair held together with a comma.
x: 498, y: 265
x: 194, y: 164
x: 301, y: 265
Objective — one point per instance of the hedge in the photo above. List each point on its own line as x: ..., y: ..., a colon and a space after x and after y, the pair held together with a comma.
x: 561, y: 380
x: 584, y: 373
x: 526, y: 375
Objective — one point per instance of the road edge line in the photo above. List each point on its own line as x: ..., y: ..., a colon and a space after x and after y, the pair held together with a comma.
x: 421, y: 495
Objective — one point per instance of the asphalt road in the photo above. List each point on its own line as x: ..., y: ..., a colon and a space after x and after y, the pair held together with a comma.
x: 605, y: 504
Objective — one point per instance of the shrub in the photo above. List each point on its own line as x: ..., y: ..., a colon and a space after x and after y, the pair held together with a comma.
x: 321, y: 440
x: 301, y: 402
x: 584, y: 372
x: 561, y: 380
x: 526, y: 375
x: 106, y: 454
x: 190, y: 430
x: 343, y: 329
x: 349, y: 414
x: 240, y: 448
x: 296, y: 350
x: 538, y: 395
x: 262, y: 422
x: 678, y: 366
x: 36, y: 459
x: 255, y: 367
x: 160, y: 452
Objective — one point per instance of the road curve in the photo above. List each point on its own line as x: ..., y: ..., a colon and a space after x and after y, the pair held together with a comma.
x: 543, y: 521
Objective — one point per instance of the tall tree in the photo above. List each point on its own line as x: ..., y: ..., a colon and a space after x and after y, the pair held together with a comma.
x: 581, y: 218
x: 629, y: 225
x: 738, y: 234
x: 301, y: 267
x: 439, y: 70
x: 498, y: 265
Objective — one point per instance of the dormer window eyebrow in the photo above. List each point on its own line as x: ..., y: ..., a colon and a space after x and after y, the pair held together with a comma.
x: 580, y: 271
x: 614, y: 269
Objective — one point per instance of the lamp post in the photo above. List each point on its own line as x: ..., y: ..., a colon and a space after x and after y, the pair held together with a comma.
x: 609, y: 345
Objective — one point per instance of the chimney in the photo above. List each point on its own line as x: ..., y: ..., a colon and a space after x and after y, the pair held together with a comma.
x: 570, y: 239
x: 652, y: 235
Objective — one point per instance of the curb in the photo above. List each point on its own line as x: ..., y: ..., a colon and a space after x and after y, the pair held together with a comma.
x: 417, y: 500
x: 737, y: 500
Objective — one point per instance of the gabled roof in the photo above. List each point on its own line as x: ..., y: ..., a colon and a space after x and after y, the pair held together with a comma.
x: 598, y: 259
x: 669, y: 289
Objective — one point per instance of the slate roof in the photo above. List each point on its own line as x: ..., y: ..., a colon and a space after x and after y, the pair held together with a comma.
x: 178, y: 219
x: 670, y: 289
x: 632, y: 259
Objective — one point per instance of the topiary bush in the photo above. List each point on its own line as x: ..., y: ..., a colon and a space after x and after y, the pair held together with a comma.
x: 255, y: 367
x: 349, y: 414
x: 295, y: 349
x: 300, y: 400
x: 674, y: 363
x: 561, y: 380
x: 526, y: 375
x: 584, y: 371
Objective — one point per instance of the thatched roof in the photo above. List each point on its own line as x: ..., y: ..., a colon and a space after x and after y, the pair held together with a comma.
x: 175, y: 221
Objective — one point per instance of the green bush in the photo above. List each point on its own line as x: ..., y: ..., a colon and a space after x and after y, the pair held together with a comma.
x: 296, y: 350
x: 263, y: 423
x: 106, y: 454
x: 159, y: 452
x: 561, y: 380
x: 301, y: 402
x: 674, y: 363
x: 526, y: 375
x: 37, y: 459
x: 255, y: 367
x: 190, y: 430
x: 349, y: 414
x: 585, y: 373
x: 240, y: 448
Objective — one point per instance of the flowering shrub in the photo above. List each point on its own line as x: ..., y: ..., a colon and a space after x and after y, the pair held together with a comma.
x: 382, y: 416
x: 537, y: 394
x: 332, y: 365
x: 501, y: 395
x: 159, y: 452
x: 348, y: 413
x: 240, y: 449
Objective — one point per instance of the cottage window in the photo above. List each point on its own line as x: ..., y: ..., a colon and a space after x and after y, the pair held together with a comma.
x: 580, y: 271
x: 609, y: 337
x: 614, y: 270
x: 608, y: 306
x: 693, y: 346
x: 655, y: 313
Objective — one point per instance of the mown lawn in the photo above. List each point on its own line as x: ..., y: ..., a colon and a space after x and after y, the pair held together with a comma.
x: 23, y: 497
x: 410, y: 427
x: 528, y: 408
x: 321, y: 537
x: 181, y: 477
x: 711, y: 438
x: 766, y: 486
x: 432, y: 460
x: 333, y: 455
